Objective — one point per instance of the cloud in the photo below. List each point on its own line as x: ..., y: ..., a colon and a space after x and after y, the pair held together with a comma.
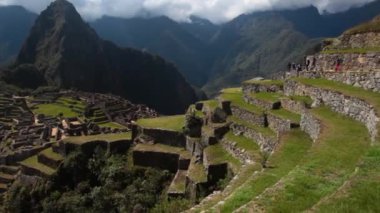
x: 215, y: 10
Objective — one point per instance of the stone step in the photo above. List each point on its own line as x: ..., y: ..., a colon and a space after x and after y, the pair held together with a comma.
x: 242, y: 148
x: 6, y: 178
x: 11, y: 170
x: 177, y: 187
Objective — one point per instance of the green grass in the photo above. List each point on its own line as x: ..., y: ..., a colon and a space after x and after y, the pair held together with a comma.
x: 212, y: 104
x: 197, y: 172
x: 288, y: 154
x: 52, y: 155
x: 267, y: 96
x: 303, y: 99
x: 179, y: 183
x: 216, y: 154
x: 328, y: 164
x: 266, y: 82
x: 54, y: 110
x: 370, y: 97
x: 32, y: 162
x: 164, y: 149
x: 235, y: 95
x: 285, y: 114
x: 102, y: 137
x: 251, y: 147
x: 112, y: 125
x: 263, y: 130
x: 174, y: 123
x: 362, y: 194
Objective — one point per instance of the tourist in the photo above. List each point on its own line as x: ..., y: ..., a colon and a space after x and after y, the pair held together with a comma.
x: 289, y: 66
x: 314, y: 63
x: 307, y: 64
x: 338, y: 64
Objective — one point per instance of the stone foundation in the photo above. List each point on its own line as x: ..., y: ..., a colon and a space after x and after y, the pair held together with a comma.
x: 160, y: 160
x: 166, y: 137
x: 252, y: 118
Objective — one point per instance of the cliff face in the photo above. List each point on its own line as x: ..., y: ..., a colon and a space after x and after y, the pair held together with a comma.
x: 70, y: 54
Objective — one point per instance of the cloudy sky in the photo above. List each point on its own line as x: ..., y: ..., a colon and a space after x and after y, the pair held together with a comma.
x: 215, y: 10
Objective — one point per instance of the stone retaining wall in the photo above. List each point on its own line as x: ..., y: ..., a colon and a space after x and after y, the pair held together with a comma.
x: 293, y: 106
x: 195, y: 146
x: 33, y: 172
x: 351, y: 62
x: 266, y: 143
x: 166, y: 137
x: 349, y: 106
x: 252, y: 118
x: 278, y: 125
x: 311, y: 125
x: 237, y: 152
x: 160, y: 160
x: 255, y: 88
x: 48, y: 161
x: 263, y: 104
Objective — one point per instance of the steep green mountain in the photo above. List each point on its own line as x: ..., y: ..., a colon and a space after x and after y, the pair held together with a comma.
x: 255, y: 45
x: 69, y: 54
x: 15, y: 23
x: 162, y: 36
x: 201, y: 28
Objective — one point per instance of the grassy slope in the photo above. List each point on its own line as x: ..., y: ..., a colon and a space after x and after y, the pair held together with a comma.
x: 175, y: 123
x: 235, y: 95
x: 289, y: 153
x: 328, y: 164
x: 216, y: 154
x: 33, y: 163
x: 102, y: 137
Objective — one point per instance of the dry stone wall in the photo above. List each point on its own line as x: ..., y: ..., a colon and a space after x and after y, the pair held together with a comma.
x: 293, y: 106
x: 252, y: 118
x: 311, y: 125
x: 236, y: 151
x: 347, y: 105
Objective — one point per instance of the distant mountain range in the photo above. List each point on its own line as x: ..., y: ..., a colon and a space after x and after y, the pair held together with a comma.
x: 215, y: 56
x: 62, y: 50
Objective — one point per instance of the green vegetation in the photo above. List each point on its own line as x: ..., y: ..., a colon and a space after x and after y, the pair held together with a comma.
x: 163, y: 148
x: 235, y: 95
x: 362, y: 192
x: 51, y: 154
x: 103, y: 137
x: 257, y: 128
x: 112, y: 125
x: 54, y: 110
x: 179, y: 182
x: 32, y: 162
x: 265, y: 82
x: 216, y: 154
x: 283, y: 113
x: 267, y: 96
x: 303, y: 99
x: 327, y: 165
x: 197, y: 172
x: 174, y: 123
x: 290, y: 152
x: 251, y: 147
x: 95, y: 183
x: 211, y: 104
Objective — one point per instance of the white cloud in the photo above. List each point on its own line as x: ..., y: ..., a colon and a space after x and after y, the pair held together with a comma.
x: 214, y: 10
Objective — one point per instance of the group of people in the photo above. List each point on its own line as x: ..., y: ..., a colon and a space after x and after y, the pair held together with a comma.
x: 310, y: 65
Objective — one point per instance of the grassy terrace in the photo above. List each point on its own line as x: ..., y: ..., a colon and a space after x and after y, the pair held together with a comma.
x: 103, y: 137
x: 162, y: 148
x: 267, y: 96
x: 212, y: 104
x: 174, y: 123
x: 52, y: 155
x: 265, y: 82
x: 362, y: 193
x: 263, y: 130
x: 197, y: 112
x: 216, y: 154
x: 235, y: 95
x: 54, y: 110
x: 328, y: 164
x: 197, y: 172
x: 32, y: 162
x: 112, y: 125
x: 289, y: 153
x: 283, y: 113
x: 303, y: 99
x: 179, y: 182
x: 370, y: 97
x: 250, y: 146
